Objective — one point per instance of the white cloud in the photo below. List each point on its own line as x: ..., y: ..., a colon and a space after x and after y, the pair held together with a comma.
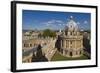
x: 59, y: 24
x: 51, y: 21
x: 85, y: 22
x: 48, y: 24
x: 78, y: 23
x: 54, y: 22
x: 59, y: 21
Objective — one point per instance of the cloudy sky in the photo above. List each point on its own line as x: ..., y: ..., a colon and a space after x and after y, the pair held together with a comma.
x: 40, y: 20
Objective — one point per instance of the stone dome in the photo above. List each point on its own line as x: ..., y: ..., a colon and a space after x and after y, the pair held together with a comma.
x: 72, y: 25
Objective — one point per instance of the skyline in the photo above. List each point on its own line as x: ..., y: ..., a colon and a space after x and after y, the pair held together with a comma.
x: 40, y: 20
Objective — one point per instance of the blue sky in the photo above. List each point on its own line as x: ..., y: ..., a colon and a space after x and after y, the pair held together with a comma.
x: 32, y: 19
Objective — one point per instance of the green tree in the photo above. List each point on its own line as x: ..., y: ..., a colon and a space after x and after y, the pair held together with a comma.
x: 49, y: 33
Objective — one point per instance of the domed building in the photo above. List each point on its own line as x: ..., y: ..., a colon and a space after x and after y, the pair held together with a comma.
x: 70, y: 41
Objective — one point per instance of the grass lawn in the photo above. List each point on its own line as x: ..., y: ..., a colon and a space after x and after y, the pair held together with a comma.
x: 59, y: 57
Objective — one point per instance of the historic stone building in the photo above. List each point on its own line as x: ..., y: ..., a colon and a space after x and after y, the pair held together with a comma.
x: 37, y: 49
x: 71, y: 41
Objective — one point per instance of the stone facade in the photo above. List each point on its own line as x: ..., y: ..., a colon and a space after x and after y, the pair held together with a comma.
x: 71, y: 41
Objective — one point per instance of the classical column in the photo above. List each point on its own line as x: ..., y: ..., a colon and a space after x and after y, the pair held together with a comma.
x: 75, y: 44
x: 64, y: 42
x: 63, y: 52
x: 61, y: 44
x: 81, y: 44
x: 69, y: 43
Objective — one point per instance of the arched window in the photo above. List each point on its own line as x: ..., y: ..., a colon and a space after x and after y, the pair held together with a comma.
x: 76, y: 53
x: 80, y: 52
x: 71, y: 54
x: 30, y: 45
